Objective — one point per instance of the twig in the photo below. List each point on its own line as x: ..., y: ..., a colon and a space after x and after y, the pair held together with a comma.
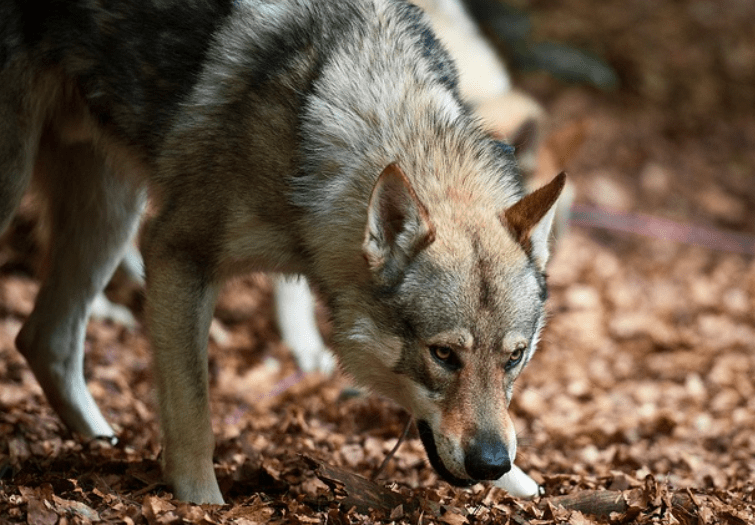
x: 393, y: 451
x: 605, y: 502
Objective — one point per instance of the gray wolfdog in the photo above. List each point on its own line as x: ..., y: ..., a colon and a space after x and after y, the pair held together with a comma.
x: 325, y: 139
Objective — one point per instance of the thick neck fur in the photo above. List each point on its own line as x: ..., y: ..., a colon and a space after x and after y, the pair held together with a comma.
x: 388, y: 95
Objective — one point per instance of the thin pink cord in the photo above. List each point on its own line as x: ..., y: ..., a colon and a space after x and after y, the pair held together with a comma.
x: 660, y: 228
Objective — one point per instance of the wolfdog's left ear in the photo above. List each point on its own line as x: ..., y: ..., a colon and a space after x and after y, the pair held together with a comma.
x: 530, y: 220
x: 398, y: 225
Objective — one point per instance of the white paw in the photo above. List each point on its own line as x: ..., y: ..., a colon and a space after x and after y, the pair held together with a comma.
x: 518, y: 484
x: 104, y: 310
x: 315, y: 360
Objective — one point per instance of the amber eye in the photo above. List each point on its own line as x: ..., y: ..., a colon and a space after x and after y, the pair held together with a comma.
x: 442, y: 353
x: 445, y: 356
x: 515, y: 357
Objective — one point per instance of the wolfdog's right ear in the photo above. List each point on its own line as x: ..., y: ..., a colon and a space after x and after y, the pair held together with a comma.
x: 398, y: 225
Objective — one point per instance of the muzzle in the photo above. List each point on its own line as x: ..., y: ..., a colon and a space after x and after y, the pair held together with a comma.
x: 485, y: 458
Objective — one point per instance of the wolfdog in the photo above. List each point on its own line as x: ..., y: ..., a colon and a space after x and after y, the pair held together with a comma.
x: 326, y: 139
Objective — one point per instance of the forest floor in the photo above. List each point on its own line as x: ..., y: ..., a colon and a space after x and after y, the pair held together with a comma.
x: 643, y: 388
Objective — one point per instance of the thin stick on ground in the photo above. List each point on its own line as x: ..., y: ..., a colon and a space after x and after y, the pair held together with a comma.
x: 393, y: 451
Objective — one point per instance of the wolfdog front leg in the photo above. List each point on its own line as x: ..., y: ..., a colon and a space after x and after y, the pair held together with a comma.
x: 180, y: 301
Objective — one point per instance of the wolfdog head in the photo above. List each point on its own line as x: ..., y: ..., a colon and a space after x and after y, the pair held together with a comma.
x: 453, y: 313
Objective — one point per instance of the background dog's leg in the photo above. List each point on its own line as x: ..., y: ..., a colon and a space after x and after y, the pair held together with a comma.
x: 295, y: 312
x: 91, y: 216
x: 179, y: 308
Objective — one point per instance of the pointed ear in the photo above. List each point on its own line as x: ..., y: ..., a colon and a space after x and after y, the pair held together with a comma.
x: 398, y: 225
x: 530, y: 220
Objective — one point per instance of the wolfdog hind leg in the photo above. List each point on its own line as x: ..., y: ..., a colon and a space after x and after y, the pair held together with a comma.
x: 19, y: 135
x: 92, y: 213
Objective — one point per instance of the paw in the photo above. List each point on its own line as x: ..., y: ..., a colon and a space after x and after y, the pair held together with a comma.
x: 518, y: 484
x: 104, y: 310
x: 199, y: 493
x: 190, y: 473
x: 315, y: 360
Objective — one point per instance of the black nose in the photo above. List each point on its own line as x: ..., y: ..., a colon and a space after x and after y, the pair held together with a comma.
x: 486, y: 457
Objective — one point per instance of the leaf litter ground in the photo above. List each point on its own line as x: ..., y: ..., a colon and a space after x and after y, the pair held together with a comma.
x: 638, y: 408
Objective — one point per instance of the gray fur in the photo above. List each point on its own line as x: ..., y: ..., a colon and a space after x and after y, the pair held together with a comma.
x: 261, y: 130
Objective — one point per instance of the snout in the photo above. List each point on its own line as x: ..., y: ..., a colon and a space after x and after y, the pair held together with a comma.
x: 486, y: 457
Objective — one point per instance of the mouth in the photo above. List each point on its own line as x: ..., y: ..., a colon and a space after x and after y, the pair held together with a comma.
x: 426, y: 435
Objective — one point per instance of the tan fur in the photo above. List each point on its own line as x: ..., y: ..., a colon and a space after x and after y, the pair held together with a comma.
x: 326, y: 139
